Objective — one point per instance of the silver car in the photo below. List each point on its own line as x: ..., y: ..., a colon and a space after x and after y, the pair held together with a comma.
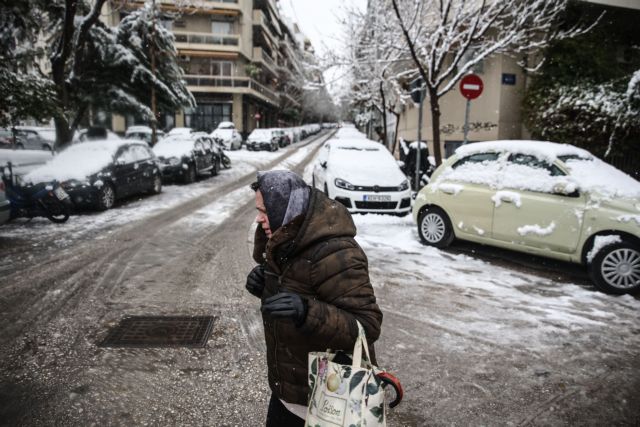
x: 35, y: 138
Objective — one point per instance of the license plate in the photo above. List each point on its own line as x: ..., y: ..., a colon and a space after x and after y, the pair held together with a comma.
x: 376, y: 198
x: 60, y: 193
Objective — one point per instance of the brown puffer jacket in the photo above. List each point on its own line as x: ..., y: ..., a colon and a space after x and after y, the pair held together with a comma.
x: 315, y: 256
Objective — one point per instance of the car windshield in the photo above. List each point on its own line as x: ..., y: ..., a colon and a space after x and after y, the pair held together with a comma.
x: 174, y: 147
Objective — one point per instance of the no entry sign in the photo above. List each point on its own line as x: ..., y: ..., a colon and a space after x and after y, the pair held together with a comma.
x: 471, y: 86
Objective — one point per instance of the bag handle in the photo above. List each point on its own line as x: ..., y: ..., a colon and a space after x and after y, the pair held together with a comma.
x: 361, y: 341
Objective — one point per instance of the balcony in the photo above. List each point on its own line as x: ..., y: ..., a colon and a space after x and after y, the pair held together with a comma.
x: 259, y: 55
x: 230, y: 84
x: 260, y: 20
x: 207, y: 41
x: 209, y: 7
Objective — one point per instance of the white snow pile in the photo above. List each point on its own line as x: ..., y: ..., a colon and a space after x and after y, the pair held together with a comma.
x: 596, y: 176
x: 225, y: 134
x: 349, y: 132
x: 449, y: 188
x: 599, y: 243
x: 174, y: 147
x: 537, y: 230
x: 355, y: 160
x: 548, y: 151
x: 506, y: 196
x: 629, y: 218
x: 77, y: 162
x: 587, y: 173
x: 260, y: 135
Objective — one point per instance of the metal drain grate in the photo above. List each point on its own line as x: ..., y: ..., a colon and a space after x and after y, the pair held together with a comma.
x: 159, y: 331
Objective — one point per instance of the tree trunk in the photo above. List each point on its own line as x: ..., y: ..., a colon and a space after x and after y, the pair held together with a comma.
x: 395, y: 134
x: 383, y: 111
x: 434, y: 103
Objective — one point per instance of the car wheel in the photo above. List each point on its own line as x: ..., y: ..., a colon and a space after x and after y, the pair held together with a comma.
x: 46, y: 147
x: 190, y: 176
x: 157, y: 185
x: 106, y: 197
x: 616, y: 269
x: 435, y: 228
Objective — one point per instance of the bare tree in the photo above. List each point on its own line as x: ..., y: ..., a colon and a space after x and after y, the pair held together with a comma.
x: 447, y: 38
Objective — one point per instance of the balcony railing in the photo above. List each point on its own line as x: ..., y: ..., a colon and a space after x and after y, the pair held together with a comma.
x: 207, y: 38
x: 260, y: 54
x: 231, y: 82
x: 259, y: 18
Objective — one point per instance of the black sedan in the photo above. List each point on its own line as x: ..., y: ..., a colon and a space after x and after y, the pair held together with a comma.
x: 97, y: 173
x: 185, y: 157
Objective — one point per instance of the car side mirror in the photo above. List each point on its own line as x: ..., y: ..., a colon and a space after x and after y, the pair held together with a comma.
x: 324, y: 165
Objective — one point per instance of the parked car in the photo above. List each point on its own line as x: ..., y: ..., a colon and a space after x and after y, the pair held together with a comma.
x: 5, y: 207
x: 362, y: 175
x: 35, y: 138
x: 94, y: 133
x: 185, y: 157
x: 6, y: 138
x: 263, y: 139
x: 542, y: 198
x: 283, y: 141
x: 180, y: 131
x: 97, y: 173
x: 226, y: 125
x: 231, y: 138
x: 290, y: 135
x: 143, y: 133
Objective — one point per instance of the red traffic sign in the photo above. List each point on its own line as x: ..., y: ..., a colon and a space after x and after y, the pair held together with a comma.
x: 257, y: 116
x: 471, y: 86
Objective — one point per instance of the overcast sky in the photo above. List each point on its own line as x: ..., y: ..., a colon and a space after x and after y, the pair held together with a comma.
x: 320, y: 21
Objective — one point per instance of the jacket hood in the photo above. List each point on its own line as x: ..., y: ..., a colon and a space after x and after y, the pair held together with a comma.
x: 325, y: 219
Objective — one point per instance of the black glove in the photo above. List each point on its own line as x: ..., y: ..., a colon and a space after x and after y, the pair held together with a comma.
x: 255, y: 281
x: 286, y: 305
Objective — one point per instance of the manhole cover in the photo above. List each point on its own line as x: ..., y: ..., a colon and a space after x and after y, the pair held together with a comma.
x: 159, y: 331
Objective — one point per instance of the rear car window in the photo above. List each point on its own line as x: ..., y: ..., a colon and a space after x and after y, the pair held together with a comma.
x: 534, y: 162
x: 477, y: 158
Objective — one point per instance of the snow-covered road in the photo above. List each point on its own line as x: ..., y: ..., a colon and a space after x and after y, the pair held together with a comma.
x: 474, y: 341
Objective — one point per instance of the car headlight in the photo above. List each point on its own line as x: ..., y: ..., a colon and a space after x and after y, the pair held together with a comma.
x: 341, y: 183
x: 174, y: 161
x: 404, y: 186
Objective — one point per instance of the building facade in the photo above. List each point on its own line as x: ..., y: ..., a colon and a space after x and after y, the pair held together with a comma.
x: 235, y: 55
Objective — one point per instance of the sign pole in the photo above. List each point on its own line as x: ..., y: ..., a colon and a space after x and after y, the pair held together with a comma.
x: 466, y: 122
x: 470, y: 87
x: 417, y: 180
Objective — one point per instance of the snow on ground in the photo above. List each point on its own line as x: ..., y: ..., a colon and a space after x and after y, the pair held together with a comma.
x: 494, y: 298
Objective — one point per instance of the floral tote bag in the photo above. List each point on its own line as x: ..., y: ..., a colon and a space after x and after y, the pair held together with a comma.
x: 350, y: 395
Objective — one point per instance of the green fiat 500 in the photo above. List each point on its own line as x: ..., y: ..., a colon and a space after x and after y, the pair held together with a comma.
x: 547, y: 199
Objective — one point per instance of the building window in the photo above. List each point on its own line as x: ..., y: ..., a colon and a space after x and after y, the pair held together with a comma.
x: 207, y: 117
x: 221, y: 68
x: 219, y: 26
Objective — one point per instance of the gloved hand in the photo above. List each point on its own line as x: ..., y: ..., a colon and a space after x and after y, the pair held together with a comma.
x: 255, y: 281
x: 286, y: 305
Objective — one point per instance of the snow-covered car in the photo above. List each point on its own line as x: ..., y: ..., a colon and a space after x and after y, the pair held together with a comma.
x: 226, y: 125
x: 230, y: 138
x: 142, y: 133
x: 94, y: 134
x: 542, y: 198
x: 6, y: 138
x: 35, y: 138
x: 97, y: 173
x: 283, y: 141
x: 290, y: 135
x: 185, y: 157
x: 349, y: 132
x: 362, y: 175
x: 263, y: 139
x: 180, y: 131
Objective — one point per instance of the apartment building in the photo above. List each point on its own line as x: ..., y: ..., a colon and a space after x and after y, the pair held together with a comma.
x: 235, y: 55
